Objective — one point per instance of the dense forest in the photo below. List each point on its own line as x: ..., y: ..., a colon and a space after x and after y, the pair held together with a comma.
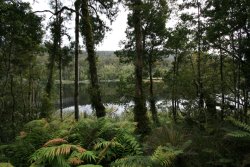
x: 182, y: 75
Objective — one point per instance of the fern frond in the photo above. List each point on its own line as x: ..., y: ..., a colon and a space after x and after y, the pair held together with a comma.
x: 129, y: 142
x: 106, y: 147
x: 239, y: 124
x: 89, y: 156
x: 60, y: 161
x: 103, y: 144
x: 6, y: 165
x: 133, y: 161
x: 89, y: 165
x: 55, y: 142
x: 75, y: 161
x: 242, y: 133
x: 238, y: 134
x: 165, y: 156
x: 52, y: 153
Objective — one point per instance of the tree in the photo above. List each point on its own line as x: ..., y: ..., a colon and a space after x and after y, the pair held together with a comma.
x: 53, y: 49
x: 93, y: 29
x: 177, y: 46
x: 230, y: 19
x: 20, y: 37
x: 154, y: 17
x: 140, y: 110
x: 76, y: 95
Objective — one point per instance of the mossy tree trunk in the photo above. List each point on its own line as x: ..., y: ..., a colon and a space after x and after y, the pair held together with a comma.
x: 140, y: 110
x: 76, y: 95
x: 89, y: 42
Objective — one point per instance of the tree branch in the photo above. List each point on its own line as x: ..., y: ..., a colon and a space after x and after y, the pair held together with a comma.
x: 58, y: 12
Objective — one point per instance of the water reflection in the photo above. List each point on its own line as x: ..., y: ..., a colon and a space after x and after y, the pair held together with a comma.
x: 118, y: 109
x: 111, y: 94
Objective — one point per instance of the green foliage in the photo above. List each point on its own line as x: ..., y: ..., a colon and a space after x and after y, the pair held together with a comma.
x: 165, y: 135
x: 133, y: 161
x: 54, y: 155
x: 20, y: 37
x: 5, y: 165
x: 89, y: 165
x: 165, y: 156
x: 243, y: 131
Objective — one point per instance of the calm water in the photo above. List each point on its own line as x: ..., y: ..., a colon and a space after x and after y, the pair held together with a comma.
x: 113, y: 96
x: 111, y: 93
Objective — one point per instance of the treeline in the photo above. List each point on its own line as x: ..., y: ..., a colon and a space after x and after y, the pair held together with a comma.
x: 210, y: 46
x: 209, y: 74
x: 207, y: 82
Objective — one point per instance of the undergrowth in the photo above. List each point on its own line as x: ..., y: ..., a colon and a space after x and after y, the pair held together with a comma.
x: 107, y: 142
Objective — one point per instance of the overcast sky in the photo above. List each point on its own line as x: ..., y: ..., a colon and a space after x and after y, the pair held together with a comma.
x: 112, y: 38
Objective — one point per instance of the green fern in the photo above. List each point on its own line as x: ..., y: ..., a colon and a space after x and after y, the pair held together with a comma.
x: 165, y: 156
x: 89, y: 156
x: 242, y: 133
x: 89, y: 165
x: 54, y: 154
x: 133, y: 161
x: 5, y: 165
x: 239, y: 124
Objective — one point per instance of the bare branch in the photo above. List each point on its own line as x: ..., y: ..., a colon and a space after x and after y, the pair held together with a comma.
x: 58, y: 12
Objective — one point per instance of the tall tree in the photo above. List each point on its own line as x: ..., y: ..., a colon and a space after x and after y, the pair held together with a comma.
x: 54, y: 50
x: 93, y: 29
x: 177, y: 45
x: 76, y: 94
x: 229, y: 18
x: 153, y: 18
x: 20, y: 36
x: 199, y: 75
x: 140, y: 110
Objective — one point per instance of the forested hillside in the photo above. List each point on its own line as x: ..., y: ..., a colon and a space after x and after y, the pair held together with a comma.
x: 175, y: 95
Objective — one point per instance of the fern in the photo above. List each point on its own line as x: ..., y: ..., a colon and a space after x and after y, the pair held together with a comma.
x: 55, y: 142
x: 107, y: 149
x: 89, y: 156
x: 56, y: 155
x: 90, y: 165
x: 238, y: 134
x: 77, y: 158
x: 165, y: 156
x: 162, y: 157
x: 242, y: 133
x: 133, y: 161
x: 239, y: 124
x: 5, y: 165
x: 129, y: 142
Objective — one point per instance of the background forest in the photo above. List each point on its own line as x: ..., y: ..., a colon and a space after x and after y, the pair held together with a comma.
x: 184, y: 87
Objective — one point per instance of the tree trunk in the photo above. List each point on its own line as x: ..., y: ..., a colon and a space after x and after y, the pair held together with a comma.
x: 240, y: 112
x: 173, y: 90
x: 13, y: 106
x: 234, y: 76
x: 60, y: 84
x: 200, y: 85
x: 95, y: 89
x: 47, y: 104
x: 76, y: 95
x: 140, y: 110
x: 151, y: 94
x: 222, y: 86
x: 246, y: 104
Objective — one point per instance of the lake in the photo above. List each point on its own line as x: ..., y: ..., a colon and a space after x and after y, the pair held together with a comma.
x: 115, y: 96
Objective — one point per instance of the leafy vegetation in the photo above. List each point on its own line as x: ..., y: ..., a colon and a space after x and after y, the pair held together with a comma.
x: 201, y: 65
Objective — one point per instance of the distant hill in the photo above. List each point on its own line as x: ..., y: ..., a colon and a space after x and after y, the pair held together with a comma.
x: 101, y: 53
x: 105, y: 53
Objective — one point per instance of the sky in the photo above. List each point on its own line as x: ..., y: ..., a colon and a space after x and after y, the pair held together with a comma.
x: 112, y: 38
